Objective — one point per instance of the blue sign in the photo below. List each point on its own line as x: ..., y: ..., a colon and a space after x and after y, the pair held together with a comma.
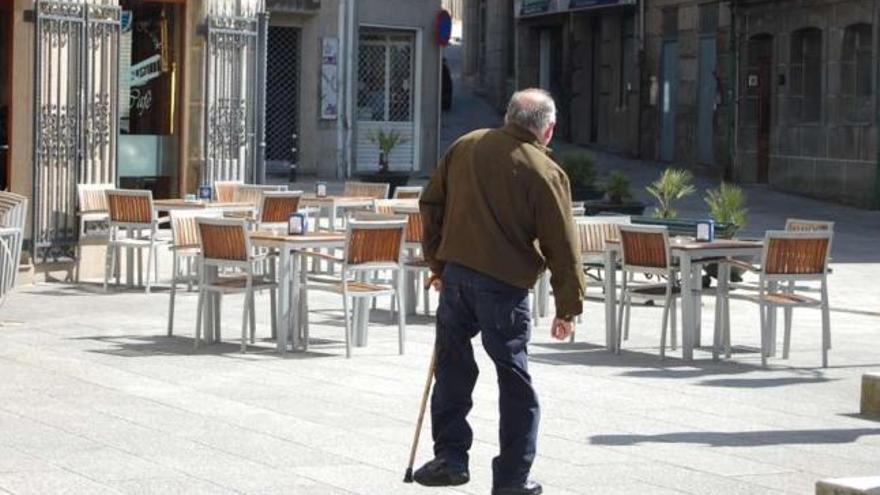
x: 534, y: 7
x: 205, y: 193
x: 444, y: 28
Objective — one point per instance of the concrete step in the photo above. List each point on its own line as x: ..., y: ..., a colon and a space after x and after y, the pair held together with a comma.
x: 849, y: 486
x: 871, y: 393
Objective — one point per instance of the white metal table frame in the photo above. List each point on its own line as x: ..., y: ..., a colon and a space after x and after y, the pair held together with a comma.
x: 330, y: 205
x: 691, y: 256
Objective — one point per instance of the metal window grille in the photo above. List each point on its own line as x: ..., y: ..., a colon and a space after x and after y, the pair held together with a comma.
x: 385, y: 78
x: 282, y: 89
x: 234, y: 146
x: 76, y: 114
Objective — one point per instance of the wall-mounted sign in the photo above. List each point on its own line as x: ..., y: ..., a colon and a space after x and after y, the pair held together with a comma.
x: 444, y: 27
x: 530, y: 7
x: 753, y: 80
x: 330, y: 78
x: 585, y: 4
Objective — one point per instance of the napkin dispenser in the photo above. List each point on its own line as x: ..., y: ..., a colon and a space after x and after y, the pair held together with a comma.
x: 297, y: 224
x: 705, y: 231
x: 206, y: 193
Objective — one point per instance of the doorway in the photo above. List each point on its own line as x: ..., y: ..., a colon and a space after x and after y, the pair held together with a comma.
x: 759, y: 94
x: 669, y: 100
x: 5, y: 90
x: 282, y: 90
x: 387, y: 96
x: 149, y: 96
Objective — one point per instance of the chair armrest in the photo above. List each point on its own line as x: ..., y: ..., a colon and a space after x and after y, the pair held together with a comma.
x: 163, y: 220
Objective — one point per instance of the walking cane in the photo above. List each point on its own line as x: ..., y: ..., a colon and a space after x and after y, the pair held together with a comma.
x: 408, y: 477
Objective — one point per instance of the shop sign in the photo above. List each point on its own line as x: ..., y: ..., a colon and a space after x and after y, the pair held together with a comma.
x: 530, y: 7
x: 329, y: 78
x: 586, y: 4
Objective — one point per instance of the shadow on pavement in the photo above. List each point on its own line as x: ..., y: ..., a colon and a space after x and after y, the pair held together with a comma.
x: 741, y: 439
x: 141, y: 346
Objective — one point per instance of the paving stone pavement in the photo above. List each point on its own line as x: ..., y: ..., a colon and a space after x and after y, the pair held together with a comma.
x: 96, y: 399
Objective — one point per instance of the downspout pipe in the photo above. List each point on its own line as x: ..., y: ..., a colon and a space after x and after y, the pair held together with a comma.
x: 877, y: 102
x: 732, y: 94
x: 341, y: 97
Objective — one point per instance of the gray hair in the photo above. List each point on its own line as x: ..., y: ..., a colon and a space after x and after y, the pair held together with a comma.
x: 531, y: 108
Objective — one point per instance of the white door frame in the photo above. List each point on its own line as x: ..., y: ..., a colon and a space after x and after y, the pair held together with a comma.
x: 417, y: 82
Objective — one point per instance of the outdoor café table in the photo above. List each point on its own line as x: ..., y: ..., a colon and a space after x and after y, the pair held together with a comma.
x: 330, y: 205
x: 691, y: 255
x: 183, y: 205
x: 290, y: 270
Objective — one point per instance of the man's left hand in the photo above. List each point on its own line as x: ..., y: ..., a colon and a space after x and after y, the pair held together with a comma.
x: 561, y: 329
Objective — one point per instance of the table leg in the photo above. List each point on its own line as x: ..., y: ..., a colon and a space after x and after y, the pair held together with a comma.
x: 362, y: 316
x: 771, y: 320
x: 282, y: 317
x: 697, y: 284
x: 208, y: 312
x: 610, y: 301
x: 720, y: 303
x: 687, y: 309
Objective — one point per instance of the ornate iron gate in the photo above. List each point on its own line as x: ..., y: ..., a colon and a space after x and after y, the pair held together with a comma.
x: 235, y: 84
x: 75, y: 114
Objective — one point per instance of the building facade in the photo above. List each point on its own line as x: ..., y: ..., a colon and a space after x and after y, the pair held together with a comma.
x: 769, y: 91
x: 807, y: 119
x: 171, y: 94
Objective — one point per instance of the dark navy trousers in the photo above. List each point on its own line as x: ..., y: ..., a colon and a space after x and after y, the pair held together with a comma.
x: 472, y: 303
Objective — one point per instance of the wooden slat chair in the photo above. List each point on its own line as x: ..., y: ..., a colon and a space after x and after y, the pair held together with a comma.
x: 789, y: 258
x: 226, y: 246
x: 131, y: 214
x: 252, y: 195
x: 408, y: 192
x: 276, y: 207
x: 415, y: 261
x: 372, y: 243
x: 366, y: 190
x: 226, y: 191
x: 185, y: 251
x: 92, y: 199
x: 645, y: 249
x: 13, y: 216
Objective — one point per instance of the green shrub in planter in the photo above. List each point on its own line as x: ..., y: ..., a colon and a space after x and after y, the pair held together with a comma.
x: 581, y: 170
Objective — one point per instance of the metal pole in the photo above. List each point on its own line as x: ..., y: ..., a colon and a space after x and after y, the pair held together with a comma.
x: 262, y: 50
x: 38, y: 63
x: 876, y: 102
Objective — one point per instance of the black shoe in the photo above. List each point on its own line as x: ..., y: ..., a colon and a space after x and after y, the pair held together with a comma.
x: 528, y: 488
x: 438, y: 473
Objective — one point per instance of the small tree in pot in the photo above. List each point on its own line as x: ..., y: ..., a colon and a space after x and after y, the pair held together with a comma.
x: 618, y: 198
x: 386, y: 141
x: 727, y: 205
x: 673, y: 185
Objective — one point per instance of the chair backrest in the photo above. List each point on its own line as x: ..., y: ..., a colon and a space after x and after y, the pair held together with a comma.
x: 130, y: 206
x: 644, y: 249
x: 374, y: 240
x: 224, y: 241
x: 595, y: 232
x: 185, y: 228
x: 801, y: 225
x: 226, y: 190
x: 13, y: 210
x: 253, y: 194
x: 384, y: 206
x: 414, y: 227
x: 796, y: 253
x: 408, y: 192
x: 92, y: 197
x: 366, y: 190
x: 277, y: 206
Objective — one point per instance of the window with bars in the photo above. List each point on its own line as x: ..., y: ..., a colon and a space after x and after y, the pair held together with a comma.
x: 805, y: 74
x: 670, y: 23
x: 855, y: 73
x: 385, y: 78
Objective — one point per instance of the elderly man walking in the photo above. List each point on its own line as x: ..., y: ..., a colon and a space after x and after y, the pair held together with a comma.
x: 497, y: 213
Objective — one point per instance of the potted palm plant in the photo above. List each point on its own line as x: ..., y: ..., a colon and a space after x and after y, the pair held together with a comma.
x: 727, y: 205
x: 386, y: 141
x: 618, y: 198
x: 673, y: 185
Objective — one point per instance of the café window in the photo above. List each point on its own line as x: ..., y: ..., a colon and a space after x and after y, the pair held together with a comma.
x: 148, y: 96
x: 855, y: 73
x: 805, y: 87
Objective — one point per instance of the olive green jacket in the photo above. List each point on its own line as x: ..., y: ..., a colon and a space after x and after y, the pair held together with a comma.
x: 498, y: 204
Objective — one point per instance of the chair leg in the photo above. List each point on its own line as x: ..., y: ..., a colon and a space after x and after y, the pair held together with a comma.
x: 667, y: 304
x: 786, y: 343
x: 117, y: 261
x: 627, y: 310
x: 109, y: 261
x: 244, y: 321
x: 764, y: 335
x: 673, y: 323
x: 150, y: 252
x: 401, y: 315
x: 173, y: 289
x: 199, y: 313
x: 273, y: 301
x: 621, y: 301
x: 826, y: 324
x: 726, y: 330
x: 253, y: 318
x: 218, y: 317
x: 348, y: 324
